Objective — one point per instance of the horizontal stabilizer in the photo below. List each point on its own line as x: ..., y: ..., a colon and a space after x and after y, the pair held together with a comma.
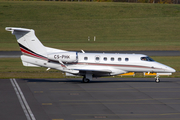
x: 29, y: 64
x: 17, y: 29
x: 69, y: 74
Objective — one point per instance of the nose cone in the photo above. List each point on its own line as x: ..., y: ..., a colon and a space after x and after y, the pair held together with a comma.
x: 171, y: 70
x: 165, y: 68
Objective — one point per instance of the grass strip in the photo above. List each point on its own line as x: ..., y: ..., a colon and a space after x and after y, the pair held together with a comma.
x: 117, y: 26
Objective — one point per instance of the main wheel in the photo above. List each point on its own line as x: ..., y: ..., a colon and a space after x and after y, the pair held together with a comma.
x: 85, y: 80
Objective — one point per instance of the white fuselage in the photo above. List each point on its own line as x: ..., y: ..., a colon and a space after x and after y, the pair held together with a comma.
x: 114, y: 63
x: 126, y: 62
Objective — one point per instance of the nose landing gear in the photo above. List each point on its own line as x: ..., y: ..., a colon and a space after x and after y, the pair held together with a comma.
x: 157, y: 80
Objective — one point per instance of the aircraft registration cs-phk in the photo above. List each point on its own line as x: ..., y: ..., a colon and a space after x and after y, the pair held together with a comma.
x: 88, y: 65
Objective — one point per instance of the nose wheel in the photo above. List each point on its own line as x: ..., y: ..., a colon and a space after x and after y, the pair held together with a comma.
x: 157, y: 80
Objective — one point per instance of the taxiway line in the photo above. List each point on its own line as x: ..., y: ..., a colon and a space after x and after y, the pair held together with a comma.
x: 28, y: 113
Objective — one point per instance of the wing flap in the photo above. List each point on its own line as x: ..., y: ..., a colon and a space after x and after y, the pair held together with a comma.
x: 95, y: 70
x: 101, y: 72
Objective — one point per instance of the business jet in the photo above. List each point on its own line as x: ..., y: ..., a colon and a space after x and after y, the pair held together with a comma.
x: 88, y: 65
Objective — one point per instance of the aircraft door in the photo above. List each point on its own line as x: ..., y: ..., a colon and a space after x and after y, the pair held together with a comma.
x: 76, y: 56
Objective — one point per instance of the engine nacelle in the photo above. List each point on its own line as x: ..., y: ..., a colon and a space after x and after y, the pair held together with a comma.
x: 67, y: 57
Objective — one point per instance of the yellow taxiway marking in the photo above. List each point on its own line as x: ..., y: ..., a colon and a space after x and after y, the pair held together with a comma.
x: 55, y: 89
x: 148, y: 87
x: 123, y: 100
x: 110, y: 89
x: 115, y: 91
x: 134, y: 119
x: 123, y: 114
x: 46, y: 103
x: 57, y: 119
x: 125, y: 103
x: 31, y: 82
x: 38, y: 91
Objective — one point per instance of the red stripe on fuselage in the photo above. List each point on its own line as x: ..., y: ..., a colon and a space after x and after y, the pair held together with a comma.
x: 117, y: 65
x: 27, y: 52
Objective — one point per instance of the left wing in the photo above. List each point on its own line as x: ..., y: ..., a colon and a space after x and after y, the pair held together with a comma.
x: 96, y: 72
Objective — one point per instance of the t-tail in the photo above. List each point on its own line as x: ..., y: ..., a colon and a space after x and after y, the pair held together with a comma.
x: 35, y: 54
x: 29, y: 44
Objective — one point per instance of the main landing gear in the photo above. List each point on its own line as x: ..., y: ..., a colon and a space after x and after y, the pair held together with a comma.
x: 157, y: 80
x: 87, y: 78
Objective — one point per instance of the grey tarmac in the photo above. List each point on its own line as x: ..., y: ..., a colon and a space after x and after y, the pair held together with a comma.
x: 101, y: 99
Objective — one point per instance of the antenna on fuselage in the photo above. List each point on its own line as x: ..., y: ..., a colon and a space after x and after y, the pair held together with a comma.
x: 82, y: 51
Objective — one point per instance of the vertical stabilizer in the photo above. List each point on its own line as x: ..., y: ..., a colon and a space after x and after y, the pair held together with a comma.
x: 28, y: 42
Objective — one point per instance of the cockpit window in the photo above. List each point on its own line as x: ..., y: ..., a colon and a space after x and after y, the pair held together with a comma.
x: 146, y: 59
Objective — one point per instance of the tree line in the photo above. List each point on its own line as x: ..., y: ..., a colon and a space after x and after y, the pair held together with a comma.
x: 130, y: 1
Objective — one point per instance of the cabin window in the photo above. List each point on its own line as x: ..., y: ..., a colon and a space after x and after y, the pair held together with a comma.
x: 97, y: 58
x: 105, y: 58
x: 126, y: 59
x: 119, y: 59
x: 112, y: 59
x: 85, y: 58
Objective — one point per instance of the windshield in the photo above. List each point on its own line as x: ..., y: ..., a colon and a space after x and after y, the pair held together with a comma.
x: 146, y: 59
